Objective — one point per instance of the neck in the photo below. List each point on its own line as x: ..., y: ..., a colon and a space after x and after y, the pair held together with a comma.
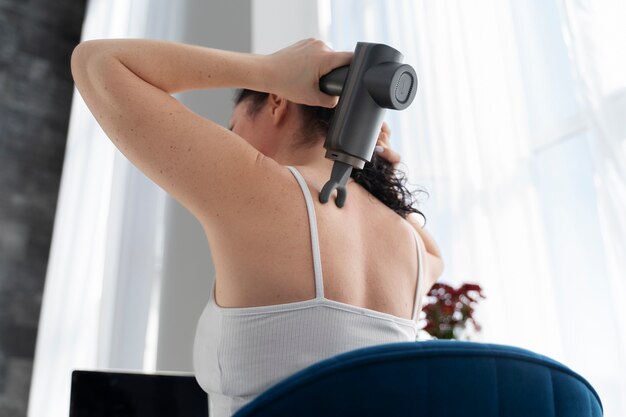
x: 314, y: 158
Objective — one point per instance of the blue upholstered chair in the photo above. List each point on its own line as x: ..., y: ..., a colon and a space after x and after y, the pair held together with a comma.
x: 432, y: 378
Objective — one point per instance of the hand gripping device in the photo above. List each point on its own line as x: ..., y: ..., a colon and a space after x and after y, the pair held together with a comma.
x: 374, y: 81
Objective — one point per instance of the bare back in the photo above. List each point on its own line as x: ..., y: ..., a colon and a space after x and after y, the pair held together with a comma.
x: 252, y: 208
x: 368, y: 253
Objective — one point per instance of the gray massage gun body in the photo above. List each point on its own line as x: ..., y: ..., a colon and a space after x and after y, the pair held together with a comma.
x: 374, y: 81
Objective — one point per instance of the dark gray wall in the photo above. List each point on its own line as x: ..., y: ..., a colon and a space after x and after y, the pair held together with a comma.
x: 36, y: 42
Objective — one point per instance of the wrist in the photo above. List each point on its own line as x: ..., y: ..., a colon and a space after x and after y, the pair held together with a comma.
x: 265, y: 72
x: 256, y: 72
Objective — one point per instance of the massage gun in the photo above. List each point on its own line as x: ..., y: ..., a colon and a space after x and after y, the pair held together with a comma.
x: 374, y: 81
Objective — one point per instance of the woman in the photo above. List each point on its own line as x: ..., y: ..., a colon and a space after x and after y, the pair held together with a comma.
x: 254, y: 188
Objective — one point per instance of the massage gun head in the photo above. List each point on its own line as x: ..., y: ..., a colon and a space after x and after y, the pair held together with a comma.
x: 375, y: 80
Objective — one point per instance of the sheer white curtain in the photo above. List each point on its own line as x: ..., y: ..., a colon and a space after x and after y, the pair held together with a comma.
x: 518, y: 133
x: 107, y: 243
x: 597, y: 37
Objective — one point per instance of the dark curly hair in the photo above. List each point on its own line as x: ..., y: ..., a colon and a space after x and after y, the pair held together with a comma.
x: 378, y: 177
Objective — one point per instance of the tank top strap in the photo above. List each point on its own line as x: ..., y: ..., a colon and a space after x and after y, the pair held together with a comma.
x: 317, y: 263
x: 420, y: 273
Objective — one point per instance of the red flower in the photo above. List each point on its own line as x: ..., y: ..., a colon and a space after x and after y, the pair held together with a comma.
x: 450, y: 309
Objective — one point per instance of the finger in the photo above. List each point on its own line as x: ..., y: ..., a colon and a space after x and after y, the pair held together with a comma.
x: 383, y: 138
x: 387, y: 152
x: 394, y: 157
x: 385, y: 132
x: 336, y: 60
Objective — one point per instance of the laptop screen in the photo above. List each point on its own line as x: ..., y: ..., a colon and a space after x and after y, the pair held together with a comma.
x: 119, y: 394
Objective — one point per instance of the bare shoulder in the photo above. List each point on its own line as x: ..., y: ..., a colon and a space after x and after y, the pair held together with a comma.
x: 210, y: 170
x: 265, y: 204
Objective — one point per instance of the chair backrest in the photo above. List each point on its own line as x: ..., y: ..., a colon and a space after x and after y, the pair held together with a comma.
x: 431, y: 378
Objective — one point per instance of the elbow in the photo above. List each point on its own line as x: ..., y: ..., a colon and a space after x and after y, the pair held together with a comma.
x: 81, y: 54
x: 90, y: 63
x: 84, y: 52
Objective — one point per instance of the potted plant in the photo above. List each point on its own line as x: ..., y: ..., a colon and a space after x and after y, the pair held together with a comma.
x: 449, y: 309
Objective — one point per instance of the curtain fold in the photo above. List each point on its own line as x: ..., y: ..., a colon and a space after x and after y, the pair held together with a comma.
x: 595, y: 35
x: 106, y: 246
x: 518, y: 134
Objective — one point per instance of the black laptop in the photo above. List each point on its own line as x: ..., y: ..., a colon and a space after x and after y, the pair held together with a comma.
x: 121, y: 394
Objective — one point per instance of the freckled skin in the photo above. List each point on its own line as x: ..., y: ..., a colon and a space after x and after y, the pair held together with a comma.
x: 223, y: 173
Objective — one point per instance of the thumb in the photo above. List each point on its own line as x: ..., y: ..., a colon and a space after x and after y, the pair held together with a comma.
x: 324, y: 100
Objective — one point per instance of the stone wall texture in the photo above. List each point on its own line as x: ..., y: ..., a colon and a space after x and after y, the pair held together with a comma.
x: 36, y: 42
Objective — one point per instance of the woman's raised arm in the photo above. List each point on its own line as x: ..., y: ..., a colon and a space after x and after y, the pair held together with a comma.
x: 170, y: 66
x: 126, y: 83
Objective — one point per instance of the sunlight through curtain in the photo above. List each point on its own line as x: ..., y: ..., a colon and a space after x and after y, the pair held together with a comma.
x: 518, y: 134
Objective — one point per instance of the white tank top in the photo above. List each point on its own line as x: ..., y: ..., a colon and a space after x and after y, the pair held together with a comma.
x: 241, y: 352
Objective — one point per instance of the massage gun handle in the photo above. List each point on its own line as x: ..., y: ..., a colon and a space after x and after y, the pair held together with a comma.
x: 332, y: 83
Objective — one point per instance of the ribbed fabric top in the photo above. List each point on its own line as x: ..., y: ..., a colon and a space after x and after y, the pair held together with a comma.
x: 241, y: 352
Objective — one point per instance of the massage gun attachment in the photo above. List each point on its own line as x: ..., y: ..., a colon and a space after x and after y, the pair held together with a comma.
x: 375, y: 80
